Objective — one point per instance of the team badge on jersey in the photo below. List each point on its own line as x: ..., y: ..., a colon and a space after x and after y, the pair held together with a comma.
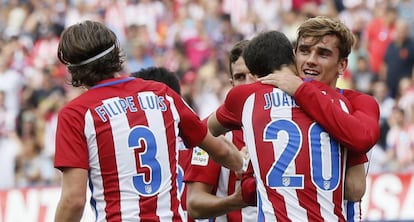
x: 200, y: 157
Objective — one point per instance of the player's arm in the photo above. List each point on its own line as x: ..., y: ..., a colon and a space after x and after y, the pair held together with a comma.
x: 202, y: 204
x: 223, y: 152
x: 215, y: 126
x: 218, y: 148
x: 355, y: 183
x: 354, y: 189
x: 201, y: 201
x: 358, y: 130
x: 248, y: 187
x: 73, y: 196
x: 355, y: 176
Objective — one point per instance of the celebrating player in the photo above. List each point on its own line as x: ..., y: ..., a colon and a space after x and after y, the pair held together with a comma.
x: 120, y: 135
x: 299, y: 166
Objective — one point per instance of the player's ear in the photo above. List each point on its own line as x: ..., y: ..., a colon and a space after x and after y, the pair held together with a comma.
x: 231, y: 82
x: 343, y: 63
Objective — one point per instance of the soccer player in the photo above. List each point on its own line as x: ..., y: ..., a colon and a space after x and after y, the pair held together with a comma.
x: 299, y: 167
x: 120, y: 135
x: 167, y: 77
x: 159, y: 74
x: 323, y: 45
x: 214, y: 191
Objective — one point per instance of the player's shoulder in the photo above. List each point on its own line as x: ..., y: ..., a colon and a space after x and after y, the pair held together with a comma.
x: 149, y: 85
x: 354, y: 94
x: 248, y: 89
x: 320, y: 86
x: 78, y: 104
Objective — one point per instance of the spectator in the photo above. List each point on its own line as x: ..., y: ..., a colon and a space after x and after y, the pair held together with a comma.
x: 11, y: 83
x: 399, y: 57
x: 386, y: 104
x: 8, y: 147
x: 378, y: 35
x: 32, y: 167
x: 140, y: 57
x: 400, y: 142
x: 363, y: 77
x: 6, y: 119
x: 406, y: 100
x: 405, y: 10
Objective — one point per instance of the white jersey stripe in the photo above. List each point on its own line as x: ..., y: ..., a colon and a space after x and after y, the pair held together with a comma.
x: 327, y: 199
x: 175, y: 114
x: 156, y: 124
x: 223, y: 183
x: 180, y: 145
x: 222, y: 189
x: 249, y: 214
x: 251, y: 146
x: 119, y: 123
x: 95, y: 177
x: 328, y: 207
x: 294, y: 209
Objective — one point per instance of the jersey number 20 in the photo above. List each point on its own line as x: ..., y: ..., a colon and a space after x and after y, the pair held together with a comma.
x: 323, y: 151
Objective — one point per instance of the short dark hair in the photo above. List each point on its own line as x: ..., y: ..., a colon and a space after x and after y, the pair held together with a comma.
x: 82, y: 42
x: 159, y: 74
x: 267, y: 52
x: 235, y: 53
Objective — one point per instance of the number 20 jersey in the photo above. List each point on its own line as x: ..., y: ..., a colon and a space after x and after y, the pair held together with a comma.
x: 299, y: 168
x: 125, y: 134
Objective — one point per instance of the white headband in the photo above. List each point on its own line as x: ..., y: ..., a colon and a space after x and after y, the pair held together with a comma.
x: 100, y: 55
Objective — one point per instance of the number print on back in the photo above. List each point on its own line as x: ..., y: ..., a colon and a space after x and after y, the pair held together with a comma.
x: 324, y: 156
x: 148, y: 180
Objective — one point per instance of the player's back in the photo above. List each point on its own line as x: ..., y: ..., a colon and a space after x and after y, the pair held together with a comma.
x: 130, y: 126
x: 301, y: 168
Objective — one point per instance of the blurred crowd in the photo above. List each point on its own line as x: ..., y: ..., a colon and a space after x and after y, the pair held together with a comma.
x: 191, y: 38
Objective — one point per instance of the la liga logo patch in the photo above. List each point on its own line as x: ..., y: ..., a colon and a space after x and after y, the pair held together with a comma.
x: 199, y: 157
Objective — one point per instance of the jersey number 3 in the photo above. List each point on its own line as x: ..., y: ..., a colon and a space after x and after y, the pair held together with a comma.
x: 148, y: 180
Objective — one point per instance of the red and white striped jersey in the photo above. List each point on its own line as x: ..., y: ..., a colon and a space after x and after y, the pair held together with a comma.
x: 184, y: 159
x: 299, y: 167
x: 224, y: 181
x: 124, y: 132
x: 353, y: 209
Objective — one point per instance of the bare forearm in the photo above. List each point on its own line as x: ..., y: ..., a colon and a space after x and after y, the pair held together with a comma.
x: 223, y: 152
x: 67, y: 212
x: 73, y: 196
x: 214, y: 126
x: 208, y: 205
x: 355, y: 183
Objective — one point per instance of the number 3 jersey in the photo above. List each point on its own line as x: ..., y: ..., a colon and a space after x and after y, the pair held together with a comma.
x: 299, y: 167
x: 124, y: 132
